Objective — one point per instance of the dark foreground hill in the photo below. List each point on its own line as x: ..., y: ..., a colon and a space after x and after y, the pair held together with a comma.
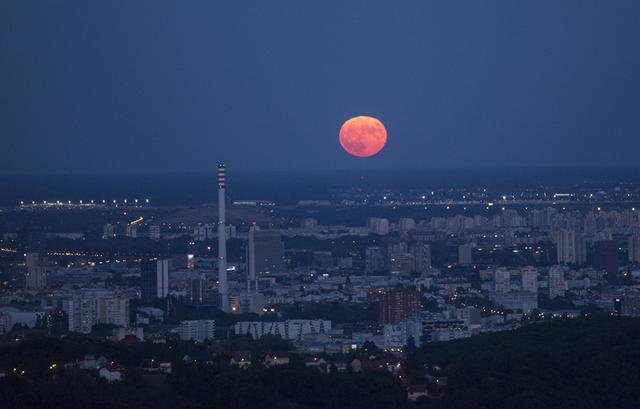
x: 582, y: 364
x: 586, y: 363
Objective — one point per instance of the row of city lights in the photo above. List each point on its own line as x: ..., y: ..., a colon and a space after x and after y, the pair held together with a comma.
x: 60, y: 202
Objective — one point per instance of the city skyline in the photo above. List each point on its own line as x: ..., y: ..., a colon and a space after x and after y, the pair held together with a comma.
x: 319, y: 204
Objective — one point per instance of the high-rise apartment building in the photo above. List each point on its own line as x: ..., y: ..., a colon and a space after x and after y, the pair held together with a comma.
x: 155, y: 279
x: 82, y: 312
x: 397, y: 305
x: 529, y: 279
x: 131, y: 230
x: 196, y: 289
x: 401, y: 263
x: 605, y: 256
x: 502, y: 281
x: 197, y: 330
x: 154, y: 232
x: 422, y: 256
x: 266, y: 252
x: 571, y: 247
x: 557, y: 285
x: 378, y: 225
x: 405, y: 225
x: 36, y: 274
x: 108, y: 231
x: 375, y: 260
x: 113, y: 310
x: 464, y: 254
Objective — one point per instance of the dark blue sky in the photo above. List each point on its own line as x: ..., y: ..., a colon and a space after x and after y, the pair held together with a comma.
x: 128, y: 86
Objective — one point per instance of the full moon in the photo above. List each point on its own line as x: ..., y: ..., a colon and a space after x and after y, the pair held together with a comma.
x: 363, y: 136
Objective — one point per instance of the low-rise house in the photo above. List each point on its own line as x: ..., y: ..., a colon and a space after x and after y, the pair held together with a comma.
x: 316, y: 362
x: 276, y: 358
x: 110, y: 375
x: 337, y: 366
x: 198, y: 357
x: 241, y: 359
x: 91, y: 362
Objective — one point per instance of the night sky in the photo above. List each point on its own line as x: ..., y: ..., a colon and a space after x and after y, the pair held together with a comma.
x: 164, y: 86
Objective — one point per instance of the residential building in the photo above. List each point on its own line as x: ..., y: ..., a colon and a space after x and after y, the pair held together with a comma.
x: 197, y: 330
x: 502, y: 281
x: 36, y: 274
x: 266, y: 252
x: 422, y: 257
x: 155, y: 279
x: 289, y: 329
x: 375, y: 260
x: 464, y: 254
x: 398, y: 305
x: 378, y: 226
x: 557, y: 285
x: 529, y: 279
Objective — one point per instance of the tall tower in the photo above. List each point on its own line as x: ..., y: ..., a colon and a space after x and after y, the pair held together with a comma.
x: 223, y: 286
x: 251, y: 259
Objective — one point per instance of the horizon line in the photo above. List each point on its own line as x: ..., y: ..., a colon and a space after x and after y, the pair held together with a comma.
x: 281, y: 171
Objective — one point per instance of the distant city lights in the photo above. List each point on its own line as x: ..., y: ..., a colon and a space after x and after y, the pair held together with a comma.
x: 82, y: 203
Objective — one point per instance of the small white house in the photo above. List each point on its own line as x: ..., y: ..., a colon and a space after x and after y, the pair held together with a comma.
x: 111, y: 376
x: 91, y: 362
x: 276, y: 358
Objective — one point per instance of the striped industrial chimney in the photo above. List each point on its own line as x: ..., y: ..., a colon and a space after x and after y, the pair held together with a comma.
x: 223, y: 284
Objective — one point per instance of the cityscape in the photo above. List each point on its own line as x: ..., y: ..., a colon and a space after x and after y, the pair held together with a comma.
x: 223, y: 280
x: 301, y: 205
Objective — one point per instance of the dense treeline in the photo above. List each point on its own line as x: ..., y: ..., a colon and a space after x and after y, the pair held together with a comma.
x: 208, y: 386
x: 584, y: 363
x: 291, y: 387
x: 191, y: 385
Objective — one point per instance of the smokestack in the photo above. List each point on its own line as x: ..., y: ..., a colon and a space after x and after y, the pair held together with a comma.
x: 223, y: 284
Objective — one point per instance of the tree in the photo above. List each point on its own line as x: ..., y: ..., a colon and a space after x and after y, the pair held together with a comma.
x: 370, y: 348
x: 411, y: 345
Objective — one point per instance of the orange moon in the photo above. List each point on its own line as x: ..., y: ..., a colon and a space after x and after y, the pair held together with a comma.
x: 363, y: 136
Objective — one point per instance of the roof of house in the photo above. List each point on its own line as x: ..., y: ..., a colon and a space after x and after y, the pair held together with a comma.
x: 198, y: 356
x: 277, y: 355
x: 241, y: 355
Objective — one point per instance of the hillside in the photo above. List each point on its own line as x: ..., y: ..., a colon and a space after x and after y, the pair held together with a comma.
x: 585, y: 363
